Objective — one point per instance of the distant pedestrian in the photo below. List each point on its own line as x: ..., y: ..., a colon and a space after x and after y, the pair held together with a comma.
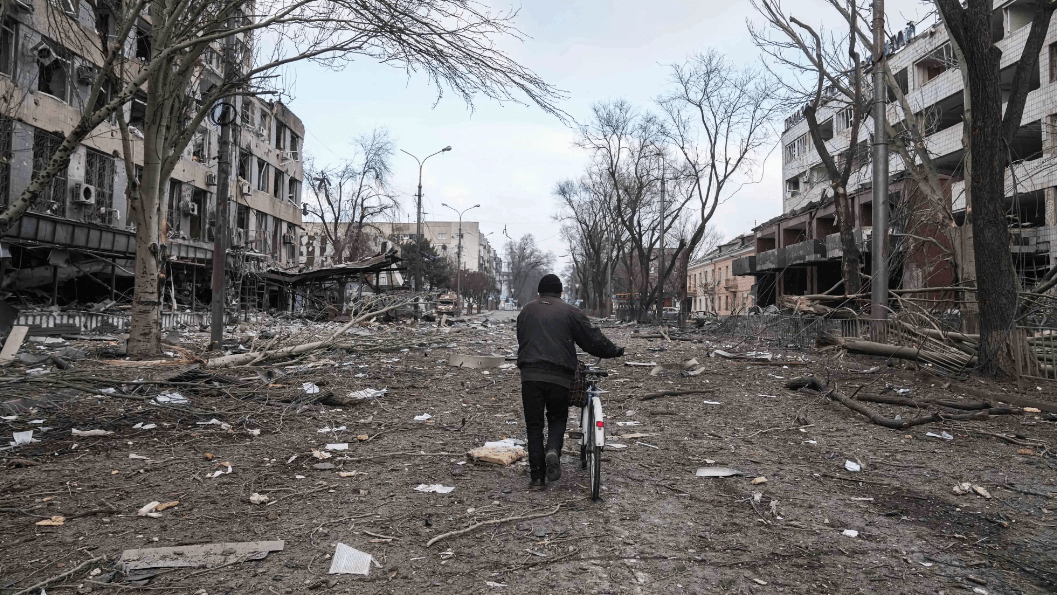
x: 548, y: 331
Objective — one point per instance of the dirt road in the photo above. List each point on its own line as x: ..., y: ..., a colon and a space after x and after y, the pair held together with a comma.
x: 785, y: 526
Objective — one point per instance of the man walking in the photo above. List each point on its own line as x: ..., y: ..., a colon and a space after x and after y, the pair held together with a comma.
x: 548, y: 331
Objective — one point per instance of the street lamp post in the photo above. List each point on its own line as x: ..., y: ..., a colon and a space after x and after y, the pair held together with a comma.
x: 418, y: 207
x: 458, y: 258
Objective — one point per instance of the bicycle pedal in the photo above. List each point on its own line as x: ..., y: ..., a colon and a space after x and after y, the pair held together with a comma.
x: 576, y: 435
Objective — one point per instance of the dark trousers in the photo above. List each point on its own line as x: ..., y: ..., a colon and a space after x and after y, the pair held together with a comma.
x: 537, y: 397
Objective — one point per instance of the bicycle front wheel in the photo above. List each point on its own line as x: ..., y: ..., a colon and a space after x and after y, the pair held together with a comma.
x: 594, y: 458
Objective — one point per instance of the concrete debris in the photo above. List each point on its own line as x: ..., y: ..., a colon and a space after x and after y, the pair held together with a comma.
x: 850, y: 533
x: 256, y: 498
x: 55, y: 521
x: 192, y: 556
x: 12, y: 344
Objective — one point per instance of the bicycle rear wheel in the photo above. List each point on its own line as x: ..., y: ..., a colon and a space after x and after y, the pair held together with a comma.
x: 594, y: 458
x: 583, y: 441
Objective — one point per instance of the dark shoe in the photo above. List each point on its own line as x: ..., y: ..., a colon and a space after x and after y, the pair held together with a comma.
x: 554, y: 465
x: 538, y: 485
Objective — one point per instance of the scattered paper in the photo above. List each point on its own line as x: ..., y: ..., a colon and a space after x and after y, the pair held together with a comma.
x: 143, y: 426
x: 982, y: 491
x: 850, y: 533
x: 348, y: 560
x: 148, y: 510
x: 23, y: 438
x: 220, y: 472
x: 55, y: 521
x: 319, y: 454
x: 309, y: 388
x: 423, y: 417
x: 215, y: 422
x: 325, y: 430
x: 712, y: 403
x: 87, y: 433
x: 436, y: 488
x: 852, y: 466
x: 171, y: 397
x: 255, y: 432
x: 628, y: 423
x: 338, y: 446
x: 494, y: 584
x: 616, y: 445
x: 367, y: 393
x: 943, y: 435
x: 133, y: 455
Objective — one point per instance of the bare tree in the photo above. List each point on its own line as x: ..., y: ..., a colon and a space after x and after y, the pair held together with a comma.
x: 719, y: 120
x: 991, y: 132
x: 353, y: 193
x: 595, y: 238
x: 528, y: 264
x: 451, y: 42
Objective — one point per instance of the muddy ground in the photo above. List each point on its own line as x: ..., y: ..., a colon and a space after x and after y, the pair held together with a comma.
x: 660, y: 528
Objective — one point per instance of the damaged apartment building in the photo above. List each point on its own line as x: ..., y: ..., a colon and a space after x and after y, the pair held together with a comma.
x: 76, y: 244
x: 799, y: 252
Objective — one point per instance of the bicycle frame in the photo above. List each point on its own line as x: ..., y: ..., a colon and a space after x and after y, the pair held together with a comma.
x: 595, y: 403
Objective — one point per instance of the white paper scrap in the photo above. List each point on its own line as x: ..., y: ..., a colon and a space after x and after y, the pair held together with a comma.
x: 850, y: 533
x: 367, y: 393
x: 338, y: 446
x: 423, y: 417
x: 852, y: 466
x: 215, y: 422
x: 23, y: 438
x: 172, y: 397
x: 436, y: 488
x: 348, y: 560
x: 88, y: 433
x: 309, y: 388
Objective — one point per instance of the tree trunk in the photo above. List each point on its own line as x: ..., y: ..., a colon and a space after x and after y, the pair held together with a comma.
x: 145, y: 326
x: 995, y: 276
x: 850, y: 259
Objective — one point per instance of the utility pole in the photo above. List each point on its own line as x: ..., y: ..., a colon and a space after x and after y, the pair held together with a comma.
x: 879, y: 270
x: 660, y: 272
x: 220, y: 232
x: 458, y: 258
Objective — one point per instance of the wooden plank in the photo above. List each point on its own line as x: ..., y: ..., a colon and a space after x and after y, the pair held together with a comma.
x: 14, y: 341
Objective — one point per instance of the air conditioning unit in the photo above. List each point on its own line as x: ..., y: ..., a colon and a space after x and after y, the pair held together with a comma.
x: 239, y: 237
x: 211, y: 179
x: 245, y: 188
x: 85, y: 195
x: 288, y: 238
x: 43, y: 53
x: 288, y: 156
x: 85, y: 74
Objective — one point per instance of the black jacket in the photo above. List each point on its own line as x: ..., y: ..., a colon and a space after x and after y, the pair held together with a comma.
x: 548, y: 331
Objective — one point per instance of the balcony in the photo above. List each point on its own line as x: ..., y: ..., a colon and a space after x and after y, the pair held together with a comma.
x: 771, y: 260
x: 1033, y: 240
x: 834, y: 248
x: 743, y: 266
x: 807, y: 252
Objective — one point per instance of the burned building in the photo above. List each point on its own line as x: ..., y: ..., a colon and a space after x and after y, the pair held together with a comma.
x: 799, y: 252
x: 77, y: 242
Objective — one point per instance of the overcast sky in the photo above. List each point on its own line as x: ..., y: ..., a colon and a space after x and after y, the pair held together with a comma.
x: 508, y: 158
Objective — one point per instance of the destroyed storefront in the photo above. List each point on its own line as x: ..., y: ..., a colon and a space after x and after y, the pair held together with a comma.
x: 330, y: 290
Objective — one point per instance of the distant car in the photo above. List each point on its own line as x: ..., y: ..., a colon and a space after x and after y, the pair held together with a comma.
x: 671, y: 313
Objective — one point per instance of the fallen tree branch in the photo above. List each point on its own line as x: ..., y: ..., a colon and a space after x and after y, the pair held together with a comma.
x: 44, y: 583
x: 239, y: 359
x: 968, y: 406
x: 476, y: 526
x: 676, y: 393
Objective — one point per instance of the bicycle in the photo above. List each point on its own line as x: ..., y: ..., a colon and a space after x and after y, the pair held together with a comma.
x: 593, y: 429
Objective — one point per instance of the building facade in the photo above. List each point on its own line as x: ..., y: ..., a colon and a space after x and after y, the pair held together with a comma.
x: 477, y: 252
x: 800, y: 251
x: 80, y: 230
x: 711, y: 283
